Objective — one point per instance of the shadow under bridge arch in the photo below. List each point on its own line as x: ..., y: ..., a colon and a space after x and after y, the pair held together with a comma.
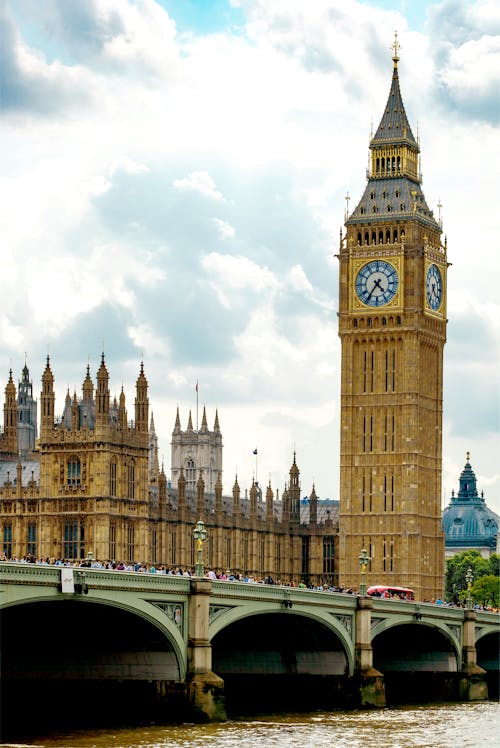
x: 420, y: 663
x: 280, y: 662
x: 81, y: 662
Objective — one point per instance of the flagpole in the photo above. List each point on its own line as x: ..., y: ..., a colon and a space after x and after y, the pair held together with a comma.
x: 196, y: 405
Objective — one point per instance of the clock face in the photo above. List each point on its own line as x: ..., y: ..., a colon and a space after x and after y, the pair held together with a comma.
x: 434, y: 287
x: 377, y: 283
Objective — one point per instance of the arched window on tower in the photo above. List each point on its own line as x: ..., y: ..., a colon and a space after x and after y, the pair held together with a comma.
x: 190, y: 475
x: 131, y: 480
x: 73, y: 477
x: 112, y: 476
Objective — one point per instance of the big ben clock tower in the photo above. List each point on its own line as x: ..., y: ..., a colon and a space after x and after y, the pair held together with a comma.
x: 392, y: 326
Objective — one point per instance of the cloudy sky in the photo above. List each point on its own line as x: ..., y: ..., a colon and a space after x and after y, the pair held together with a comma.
x: 172, y: 185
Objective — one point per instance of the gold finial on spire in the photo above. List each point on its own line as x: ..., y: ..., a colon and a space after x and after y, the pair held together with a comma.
x: 396, y: 46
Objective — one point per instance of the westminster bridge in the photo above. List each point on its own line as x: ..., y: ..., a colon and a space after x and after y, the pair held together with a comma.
x: 192, y: 648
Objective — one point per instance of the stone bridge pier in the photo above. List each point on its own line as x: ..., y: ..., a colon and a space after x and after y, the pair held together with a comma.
x: 205, y: 690
x: 370, y: 681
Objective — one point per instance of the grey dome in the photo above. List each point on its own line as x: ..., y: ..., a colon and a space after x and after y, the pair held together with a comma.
x: 467, y: 521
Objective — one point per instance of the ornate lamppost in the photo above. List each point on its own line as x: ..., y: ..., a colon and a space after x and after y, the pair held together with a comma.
x: 363, y: 563
x: 469, y: 578
x: 200, y: 535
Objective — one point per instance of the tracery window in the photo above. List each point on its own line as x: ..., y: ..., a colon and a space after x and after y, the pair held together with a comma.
x: 131, y: 479
x: 73, y: 476
x: 190, y: 475
x: 112, y: 476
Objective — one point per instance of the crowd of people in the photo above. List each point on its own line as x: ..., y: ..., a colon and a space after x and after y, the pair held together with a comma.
x: 143, y: 568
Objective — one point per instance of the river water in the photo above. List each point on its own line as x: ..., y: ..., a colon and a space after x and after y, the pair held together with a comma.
x: 471, y: 725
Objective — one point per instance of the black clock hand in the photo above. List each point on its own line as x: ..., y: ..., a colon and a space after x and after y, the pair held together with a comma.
x: 375, y: 284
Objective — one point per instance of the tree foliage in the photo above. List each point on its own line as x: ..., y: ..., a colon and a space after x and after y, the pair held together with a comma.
x: 457, y: 568
x: 486, y: 591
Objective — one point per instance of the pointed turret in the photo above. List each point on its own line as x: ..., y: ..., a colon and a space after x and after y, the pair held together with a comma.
x: 47, y: 401
x: 253, y: 501
x: 269, y: 503
x: 19, y: 479
x: 236, y: 498
x: 294, y: 492
x: 154, y: 465
x: 66, y: 416
x: 88, y: 387
x: 216, y: 423
x: 122, y: 411
x: 190, y: 422
x: 177, y: 427
x: 102, y: 395
x: 10, y: 418
x: 218, y: 498
x: 313, y: 507
x: 204, y: 424
x: 162, y: 491
x: 200, y: 495
x: 141, y: 402
x: 74, y: 412
x: 181, y: 493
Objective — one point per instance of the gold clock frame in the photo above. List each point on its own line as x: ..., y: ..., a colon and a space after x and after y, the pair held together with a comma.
x: 395, y: 304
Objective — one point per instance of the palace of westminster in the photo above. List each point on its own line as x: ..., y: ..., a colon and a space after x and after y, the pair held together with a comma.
x: 90, y: 480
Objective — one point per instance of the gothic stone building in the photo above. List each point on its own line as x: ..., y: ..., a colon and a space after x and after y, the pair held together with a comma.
x: 98, y: 488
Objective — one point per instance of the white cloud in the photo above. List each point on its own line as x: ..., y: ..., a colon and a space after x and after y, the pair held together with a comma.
x: 199, y: 181
x: 112, y: 137
x: 226, y: 231
x: 230, y: 275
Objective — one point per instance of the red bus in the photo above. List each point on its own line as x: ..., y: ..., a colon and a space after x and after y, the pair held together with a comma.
x: 383, y: 590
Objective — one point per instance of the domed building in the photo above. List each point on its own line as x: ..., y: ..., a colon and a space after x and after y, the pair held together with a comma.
x: 467, y: 522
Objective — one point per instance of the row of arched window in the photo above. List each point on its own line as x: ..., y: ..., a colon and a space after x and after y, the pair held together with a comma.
x: 74, y: 473
x: 363, y: 322
x: 389, y: 165
x: 391, y: 236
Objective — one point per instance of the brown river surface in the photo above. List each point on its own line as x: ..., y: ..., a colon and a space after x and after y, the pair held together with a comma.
x: 471, y: 725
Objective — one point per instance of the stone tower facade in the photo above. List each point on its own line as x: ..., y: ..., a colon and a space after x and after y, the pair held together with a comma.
x: 392, y: 326
x: 93, y: 472
x: 197, y: 453
x: 8, y: 440
x: 26, y: 415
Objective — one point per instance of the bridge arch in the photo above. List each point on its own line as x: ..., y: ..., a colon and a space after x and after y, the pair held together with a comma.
x: 140, y: 609
x: 420, y: 661
x: 67, y: 650
x: 274, y: 659
x: 340, y: 627
x: 488, y: 657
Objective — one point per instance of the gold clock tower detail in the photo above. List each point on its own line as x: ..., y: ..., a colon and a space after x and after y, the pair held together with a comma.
x: 392, y: 326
